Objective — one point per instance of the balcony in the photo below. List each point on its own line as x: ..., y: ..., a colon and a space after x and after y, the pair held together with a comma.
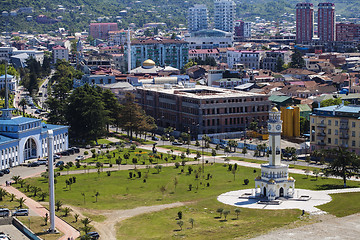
x: 321, y: 125
x: 344, y: 127
x: 344, y: 136
x: 321, y: 134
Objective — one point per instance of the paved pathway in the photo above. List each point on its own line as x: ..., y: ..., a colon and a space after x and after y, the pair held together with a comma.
x: 40, y: 210
x: 317, y: 198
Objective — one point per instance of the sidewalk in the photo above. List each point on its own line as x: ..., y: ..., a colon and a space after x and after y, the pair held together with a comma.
x: 60, y: 225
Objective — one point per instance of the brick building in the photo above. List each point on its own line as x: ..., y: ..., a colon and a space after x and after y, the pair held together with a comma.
x: 347, y: 32
x: 203, y: 110
x: 304, y: 22
x: 101, y: 30
x: 326, y: 22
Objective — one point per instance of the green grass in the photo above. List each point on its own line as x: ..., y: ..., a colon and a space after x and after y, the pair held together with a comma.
x: 207, y: 224
x: 118, y: 191
x: 37, y: 225
x: 183, y: 149
x: 11, y: 205
x: 343, y: 204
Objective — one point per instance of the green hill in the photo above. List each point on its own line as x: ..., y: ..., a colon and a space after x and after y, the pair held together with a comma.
x: 79, y: 13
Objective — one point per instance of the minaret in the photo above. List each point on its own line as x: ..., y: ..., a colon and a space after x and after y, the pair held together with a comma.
x: 50, y: 145
x: 274, y: 127
x: 129, y: 50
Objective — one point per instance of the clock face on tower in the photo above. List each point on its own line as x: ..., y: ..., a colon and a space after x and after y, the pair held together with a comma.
x: 269, y: 127
x: 278, y: 127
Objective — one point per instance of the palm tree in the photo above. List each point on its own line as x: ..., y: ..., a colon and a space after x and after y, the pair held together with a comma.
x: 213, y: 153
x: 58, y: 205
x: 86, y: 221
x: 237, y: 211
x: 66, y: 211
x: 23, y: 104
x: 191, y: 220
x: 180, y: 223
x: 21, y: 201
x: 43, y: 195
x: 21, y: 182
x: 76, y: 216
x: 343, y: 163
x: 83, y: 194
x: 16, y: 179
x: 12, y: 196
x: 96, y: 195
x: 3, y: 193
x: 35, y: 190
x: 86, y: 229
x: 220, y: 210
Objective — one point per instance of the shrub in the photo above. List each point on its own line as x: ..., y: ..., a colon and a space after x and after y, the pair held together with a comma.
x: 110, y: 165
x: 108, y: 173
x: 77, y: 164
x: 132, y: 147
x: 208, y: 184
x: 246, y: 181
x: 86, y: 153
x: 179, y: 214
x: 61, y: 167
x: 190, y: 187
x: 177, y: 165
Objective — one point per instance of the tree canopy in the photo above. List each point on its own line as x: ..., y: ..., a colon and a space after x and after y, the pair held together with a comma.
x: 297, y: 60
x: 332, y: 102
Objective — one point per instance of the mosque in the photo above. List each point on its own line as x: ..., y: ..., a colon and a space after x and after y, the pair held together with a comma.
x: 23, y: 138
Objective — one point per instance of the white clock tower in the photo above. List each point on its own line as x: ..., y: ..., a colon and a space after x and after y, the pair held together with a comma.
x: 274, y: 181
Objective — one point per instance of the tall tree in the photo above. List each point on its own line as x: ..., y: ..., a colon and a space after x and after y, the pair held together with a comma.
x: 343, y: 163
x: 279, y: 64
x: 297, y: 60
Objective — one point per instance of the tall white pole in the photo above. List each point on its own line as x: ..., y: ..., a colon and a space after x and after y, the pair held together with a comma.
x: 50, y: 141
x: 129, y: 50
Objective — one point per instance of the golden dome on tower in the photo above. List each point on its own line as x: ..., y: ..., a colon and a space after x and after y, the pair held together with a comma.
x: 272, y: 181
x: 274, y: 109
x: 148, y: 63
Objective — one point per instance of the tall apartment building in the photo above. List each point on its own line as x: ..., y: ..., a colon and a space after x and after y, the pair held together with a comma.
x: 164, y: 52
x: 335, y: 126
x: 326, y: 22
x: 101, y: 30
x: 202, y: 109
x: 224, y: 15
x: 117, y: 37
x: 346, y: 32
x: 197, y: 18
x: 242, y: 29
x: 304, y: 22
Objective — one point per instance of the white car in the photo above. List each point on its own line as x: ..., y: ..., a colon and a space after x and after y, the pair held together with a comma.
x: 79, y: 158
x: 21, y: 212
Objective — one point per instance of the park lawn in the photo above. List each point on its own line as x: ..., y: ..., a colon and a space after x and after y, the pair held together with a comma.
x: 139, y: 140
x: 342, y: 204
x: 118, y: 191
x: 142, y: 155
x: 36, y: 224
x: 11, y: 205
x: 184, y: 149
x: 74, y: 168
x: 207, y: 223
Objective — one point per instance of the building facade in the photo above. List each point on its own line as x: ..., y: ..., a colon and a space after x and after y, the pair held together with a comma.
x: 242, y: 30
x: 347, y: 32
x: 101, y: 30
x: 164, y: 52
x: 224, y: 15
x: 326, y: 22
x: 209, y: 39
x: 304, y: 22
x: 117, y: 38
x: 197, y: 18
x: 250, y: 59
x: 61, y: 53
x: 203, y: 110
x: 335, y: 126
x: 270, y: 59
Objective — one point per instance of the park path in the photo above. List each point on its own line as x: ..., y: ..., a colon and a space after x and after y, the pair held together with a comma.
x: 107, y: 229
x: 40, y: 210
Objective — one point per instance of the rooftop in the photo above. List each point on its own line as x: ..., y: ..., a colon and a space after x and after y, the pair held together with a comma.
x: 19, y: 121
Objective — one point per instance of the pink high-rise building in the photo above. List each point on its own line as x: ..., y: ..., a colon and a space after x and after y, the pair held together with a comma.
x: 304, y: 22
x: 326, y: 22
x: 101, y: 30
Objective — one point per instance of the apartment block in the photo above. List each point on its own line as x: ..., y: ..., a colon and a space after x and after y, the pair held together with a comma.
x: 335, y: 126
x: 250, y: 59
x: 304, y: 22
x: 101, y: 30
x: 326, y: 22
x: 197, y: 18
x: 202, y: 109
x: 224, y: 15
x: 60, y: 52
x: 346, y: 32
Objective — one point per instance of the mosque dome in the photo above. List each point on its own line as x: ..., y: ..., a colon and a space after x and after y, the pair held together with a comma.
x: 148, y: 63
x: 291, y: 179
x: 272, y: 181
x: 274, y: 109
x: 258, y: 178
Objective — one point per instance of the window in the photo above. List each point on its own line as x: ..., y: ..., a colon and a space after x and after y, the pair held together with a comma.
x: 329, y: 122
x: 329, y: 131
x: 336, y: 141
x: 336, y: 123
x: 336, y: 132
x: 353, y: 133
x: 353, y: 124
x: 329, y: 140
x: 353, y: 143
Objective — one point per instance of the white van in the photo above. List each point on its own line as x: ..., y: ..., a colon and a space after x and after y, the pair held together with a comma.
x: 4, y: 212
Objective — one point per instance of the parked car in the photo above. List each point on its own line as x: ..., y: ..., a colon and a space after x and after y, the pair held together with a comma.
x: 65, y: 153
x: 177, y: 143
x: 4, y: 212
x: 57, y: 156
x: 79, y: 158
x: 155, y: 138
x: 59, y: 163
x: 33, y: 164
x: 21, y: 212
x: 42, y: 162
x: 3, y: 236
x: 87, y: 147
x: 71, y: 151
x: 6, y: 171
x: 76, y: 150
x: 1, y: 174
x: 93, y: 235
